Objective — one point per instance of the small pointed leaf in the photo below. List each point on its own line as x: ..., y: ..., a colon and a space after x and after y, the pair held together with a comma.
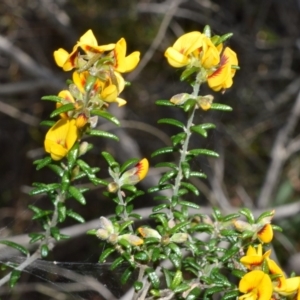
x: 106, y: 115
x: 219, y: 106
x: 96, y: 132
x: 42, y: 162
x: 14, y: 277
x: 164, y: 103
x: 162, y: 151
x: 196, y: 152
x: 77, y: 195
x: 53, y: 98
x: 171, y: 122
x: 62, y: 109
x: 14, y: 245
x: 105, y: 254
x: 75, y: 216
x: 47, y: 123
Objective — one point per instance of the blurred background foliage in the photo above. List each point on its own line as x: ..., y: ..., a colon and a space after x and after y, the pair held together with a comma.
x: 266, y: 39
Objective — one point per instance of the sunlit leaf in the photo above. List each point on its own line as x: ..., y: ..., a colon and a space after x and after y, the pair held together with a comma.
x: 62, y: 109
x: 106, y: 115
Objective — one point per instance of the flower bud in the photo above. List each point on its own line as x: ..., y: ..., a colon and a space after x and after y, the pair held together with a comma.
x: 102, y: 234
x: 83, y: 148
x: 107, y: 225
x: 180, y: 99
x: 149, y: 232
x: 112, y: 187
x: 81, y: 120
x: 205, y: 102
x: 132, y: 239
x: 179, y: 237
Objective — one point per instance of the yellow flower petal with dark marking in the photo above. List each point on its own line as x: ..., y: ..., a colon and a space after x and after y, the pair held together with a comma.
x: 256, y: 285
x: 60, y: 138
x: 221, y: 79
x: 292, y: 286
x: 66, y: 60
x: 89, y: 44
x: 274, y: 269
x: 265, y: 234
x: 125, y: 63
x: 143, y: 167
x: 179, y: 54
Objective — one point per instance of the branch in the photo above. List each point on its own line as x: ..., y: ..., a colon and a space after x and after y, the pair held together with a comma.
x: 171, y: 7
x: 279, y: 156
x: 28, y: 64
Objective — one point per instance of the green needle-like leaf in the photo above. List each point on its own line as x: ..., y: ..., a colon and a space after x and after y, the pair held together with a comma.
x: 96, y: 132
x: 75, y: 192
x: 16, y: 246
x: 106, y: 115
x: 164, y: 103
x: 171, y: 122
x: 53, y: 98
x: 219, y: 106
x: 162, y: 151
x: 62, y: 109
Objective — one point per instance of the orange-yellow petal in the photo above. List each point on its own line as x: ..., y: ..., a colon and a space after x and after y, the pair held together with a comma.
x: 210, y: 56
x: 265, y: 234
x: 175, y: 58
x: 143, y: 167
x: 66, y: 60
x: 60, y: 138
x: 125, y: 63
x: 110, y: 93
x: 222, y: 77
x: 257, y: 285
x: 179, y: 54
x: 89, y: 43
x: 274, y: 269
x: 292, y: 286
x: 81, y: 120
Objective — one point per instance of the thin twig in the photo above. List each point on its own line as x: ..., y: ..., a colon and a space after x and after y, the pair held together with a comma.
x: 28, y: 64
x: 169, y: 13
x: 18, y: 115
x: 279, y: 156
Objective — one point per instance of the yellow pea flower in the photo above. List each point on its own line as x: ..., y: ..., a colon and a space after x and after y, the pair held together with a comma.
x: 107, y: 91
x: 292, y: 287
x: 256, y: 285
x: 60, y: 138
x: 67, y: 61
x: 179, y: 54
x: 122, y: 62
x: 221, y: 78
x: 89, y: 44
x: 254, y: 258
x: 210, y: 54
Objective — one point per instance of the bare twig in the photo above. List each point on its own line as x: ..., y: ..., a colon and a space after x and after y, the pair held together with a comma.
x: 168, y: 15
x: 279, y: 156
x: 28, y: 64
x: 17, y: 114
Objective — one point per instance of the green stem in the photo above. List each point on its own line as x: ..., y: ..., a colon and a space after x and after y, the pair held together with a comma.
x: 185, y: 145
x: 122, y: 202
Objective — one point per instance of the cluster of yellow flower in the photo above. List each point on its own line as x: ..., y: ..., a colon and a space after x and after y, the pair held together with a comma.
x: 206, y: 56
x: 265, y: 279
x: 97, y: 81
